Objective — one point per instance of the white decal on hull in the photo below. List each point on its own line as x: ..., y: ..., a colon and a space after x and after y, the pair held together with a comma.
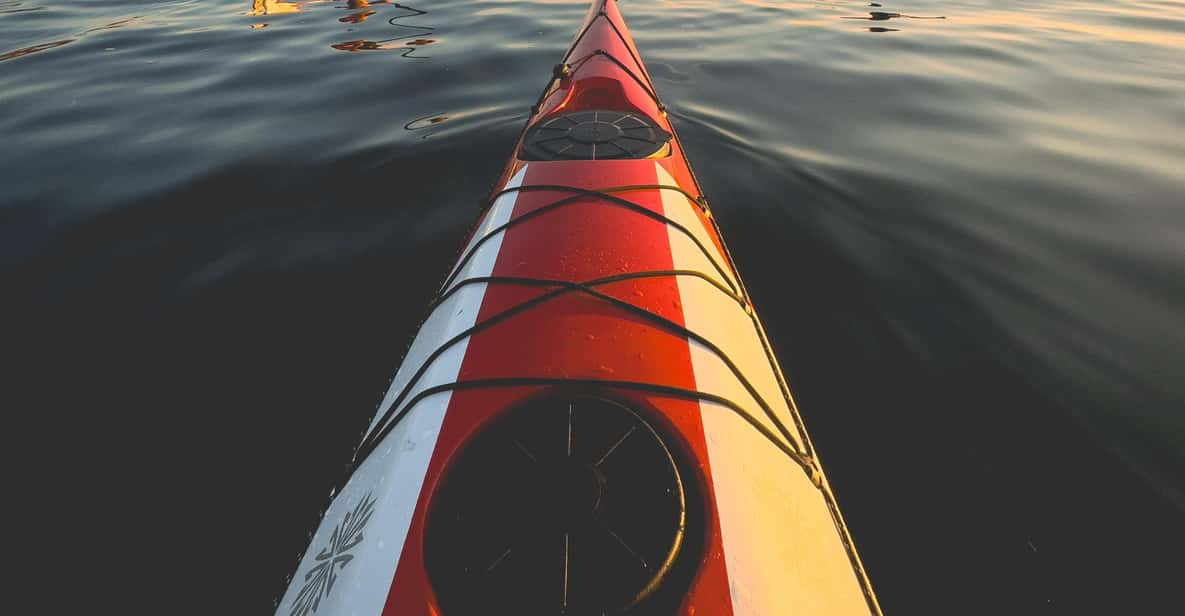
x: 351, y: 560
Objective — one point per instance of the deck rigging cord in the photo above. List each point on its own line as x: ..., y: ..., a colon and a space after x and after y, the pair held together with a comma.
x: 564, y: 69
x: 398, y: 409
x: 604, y: 196
x: 796, y: 447
x: 581, y: 194
x: 402, y: 405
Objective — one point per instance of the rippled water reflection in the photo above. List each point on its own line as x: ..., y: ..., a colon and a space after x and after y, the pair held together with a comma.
x: 962, y: 222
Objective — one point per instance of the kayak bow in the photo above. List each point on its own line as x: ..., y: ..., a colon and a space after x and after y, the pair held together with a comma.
x: 591, y: 420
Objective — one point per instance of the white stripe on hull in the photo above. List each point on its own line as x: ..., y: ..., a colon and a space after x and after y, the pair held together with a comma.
x: 459, y: 312
x: 391, y: 479
x: 723, y: 321
x: 782, y: 549
x: 349, y: 566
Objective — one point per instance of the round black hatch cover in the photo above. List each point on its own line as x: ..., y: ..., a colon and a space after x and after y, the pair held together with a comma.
x: 594, y: 135
x: 564, y: 507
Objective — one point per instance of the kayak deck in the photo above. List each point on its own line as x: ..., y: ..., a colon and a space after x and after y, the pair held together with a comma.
x: 591, y: 420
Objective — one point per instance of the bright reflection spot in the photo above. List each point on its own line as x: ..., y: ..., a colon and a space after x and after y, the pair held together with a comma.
x: 356, y: 18
x: 273, y: 7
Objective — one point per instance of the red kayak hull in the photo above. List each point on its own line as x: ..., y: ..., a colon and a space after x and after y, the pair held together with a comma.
x: 669, y: 332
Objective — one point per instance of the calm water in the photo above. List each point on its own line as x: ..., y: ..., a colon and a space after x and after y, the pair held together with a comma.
x: 962, y: 221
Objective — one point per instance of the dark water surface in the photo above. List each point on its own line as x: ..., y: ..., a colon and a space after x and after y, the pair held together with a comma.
x: 962, y: 221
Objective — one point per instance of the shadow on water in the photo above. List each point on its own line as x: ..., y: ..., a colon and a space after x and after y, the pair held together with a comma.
x: 235, y: 318
x: 1006, y: 472
x: 883, y: 16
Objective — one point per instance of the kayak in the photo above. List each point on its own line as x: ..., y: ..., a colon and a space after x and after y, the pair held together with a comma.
x: 591, y: 420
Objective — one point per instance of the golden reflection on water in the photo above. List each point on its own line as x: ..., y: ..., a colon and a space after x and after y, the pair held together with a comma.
x: 370, y: 9
x: 272, y: 7
x: 411, y: 31
x: 1028, y: 22
x: 356, y: 18
x: 1072, y: 19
